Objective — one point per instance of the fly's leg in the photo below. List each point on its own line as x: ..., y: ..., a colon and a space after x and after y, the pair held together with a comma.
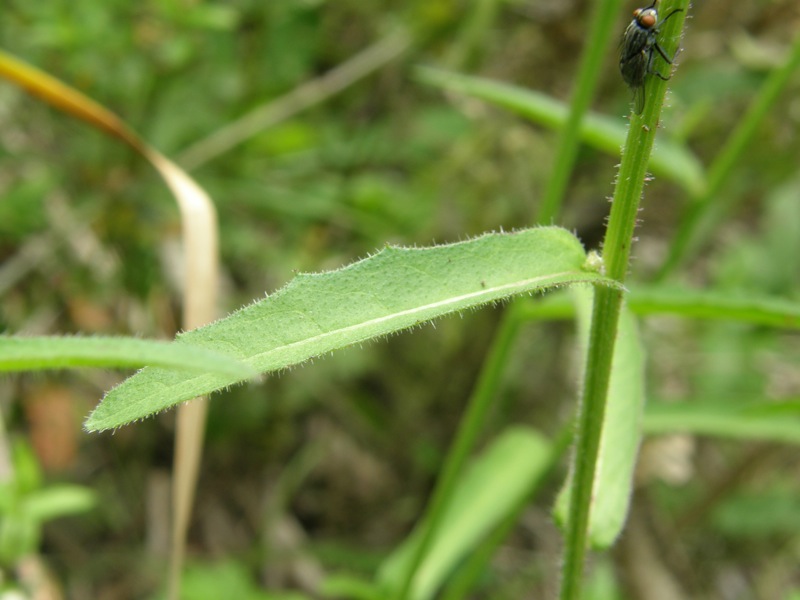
x: 651, y: 69
x: 665, y: 19
x: 663, y: 54
x: 659, y: 75
x: 659, y: 49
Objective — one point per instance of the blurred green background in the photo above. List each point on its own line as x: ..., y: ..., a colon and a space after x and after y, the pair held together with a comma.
x: 338, y: 456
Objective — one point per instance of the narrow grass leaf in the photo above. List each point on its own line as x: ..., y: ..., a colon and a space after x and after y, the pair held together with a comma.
x: 748, y: 422
x: 688, y: 303
x: 716, y: 305
x: 50, y: 352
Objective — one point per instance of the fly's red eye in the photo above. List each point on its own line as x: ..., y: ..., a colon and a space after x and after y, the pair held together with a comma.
x: 637, y: 12
x: 646, y: 17
x: 647, y: 20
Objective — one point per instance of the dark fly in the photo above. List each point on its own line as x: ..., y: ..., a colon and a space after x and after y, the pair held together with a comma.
x: 637, y: 51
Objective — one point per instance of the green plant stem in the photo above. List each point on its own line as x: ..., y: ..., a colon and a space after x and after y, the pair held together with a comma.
x: 602, y: 25
x: 605, y: 315
x: 471, y: 424
x: 607, y: 303
x: 708, y: 207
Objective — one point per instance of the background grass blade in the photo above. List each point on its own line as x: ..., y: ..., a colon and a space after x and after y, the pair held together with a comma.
x: 495, y: 484
x: 669, y: 158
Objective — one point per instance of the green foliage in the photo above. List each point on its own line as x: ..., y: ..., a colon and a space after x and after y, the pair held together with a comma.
x: 761, y: 515
x: 409, y: 156
x: 21, y: 215
x: 27, y: 503
x: 226, y: 579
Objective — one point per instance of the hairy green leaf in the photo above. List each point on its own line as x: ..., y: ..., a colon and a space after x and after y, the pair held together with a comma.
x: 396, y: 289
x: 622, y: 431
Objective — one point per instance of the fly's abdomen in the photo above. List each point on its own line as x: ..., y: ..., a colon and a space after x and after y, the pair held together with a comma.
x: 634, y: 69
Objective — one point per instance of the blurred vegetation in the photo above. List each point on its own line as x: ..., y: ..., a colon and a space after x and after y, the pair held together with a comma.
x: 324, y: 469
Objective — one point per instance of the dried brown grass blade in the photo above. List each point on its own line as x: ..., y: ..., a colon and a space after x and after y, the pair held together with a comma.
x: 200, y: 245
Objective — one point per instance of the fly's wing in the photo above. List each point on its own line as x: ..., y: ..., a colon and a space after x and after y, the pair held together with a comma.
x: 634, y: 41
x: 634, y: 61
x: 638, y: 98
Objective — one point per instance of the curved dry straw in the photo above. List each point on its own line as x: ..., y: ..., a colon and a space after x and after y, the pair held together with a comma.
x: 201, y: 262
